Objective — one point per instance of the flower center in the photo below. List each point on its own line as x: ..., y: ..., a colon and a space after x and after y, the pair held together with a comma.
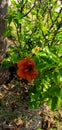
x: 29, y: 67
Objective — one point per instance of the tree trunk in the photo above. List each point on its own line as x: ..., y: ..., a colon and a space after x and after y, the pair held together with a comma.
x: 3, y: 25
x: 3, y: 13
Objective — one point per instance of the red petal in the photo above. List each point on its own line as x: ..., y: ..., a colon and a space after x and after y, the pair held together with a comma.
x: 23, y: 70
x: 21, y: 74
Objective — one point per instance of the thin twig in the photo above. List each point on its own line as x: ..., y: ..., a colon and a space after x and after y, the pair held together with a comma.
x: 29, y: 10
x: 55, y: 20
x: 55, y: 33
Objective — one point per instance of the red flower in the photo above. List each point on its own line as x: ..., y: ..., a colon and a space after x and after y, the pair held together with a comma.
x: 26, y: 69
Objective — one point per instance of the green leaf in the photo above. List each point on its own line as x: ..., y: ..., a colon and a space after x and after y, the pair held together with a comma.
x: 55, y: 103
x: 52, y: 91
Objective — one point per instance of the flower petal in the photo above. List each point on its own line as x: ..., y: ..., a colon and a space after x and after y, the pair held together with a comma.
x: 26, y: 69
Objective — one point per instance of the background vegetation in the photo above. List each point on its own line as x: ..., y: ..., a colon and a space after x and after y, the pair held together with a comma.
x: 35, y: 28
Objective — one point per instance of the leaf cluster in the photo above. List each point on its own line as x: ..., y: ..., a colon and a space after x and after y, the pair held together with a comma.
x: 38, y: 23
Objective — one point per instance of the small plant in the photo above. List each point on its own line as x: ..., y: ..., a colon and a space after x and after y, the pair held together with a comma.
x: 36, y: 28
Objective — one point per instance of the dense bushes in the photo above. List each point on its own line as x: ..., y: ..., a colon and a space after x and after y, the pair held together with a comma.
x: 35, y: 26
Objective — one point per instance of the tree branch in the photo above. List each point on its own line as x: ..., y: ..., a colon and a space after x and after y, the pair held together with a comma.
x: 55, y: 33
x: 29, y: 10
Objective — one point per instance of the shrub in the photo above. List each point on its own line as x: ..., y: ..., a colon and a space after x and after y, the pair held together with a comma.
x: 36, y: 28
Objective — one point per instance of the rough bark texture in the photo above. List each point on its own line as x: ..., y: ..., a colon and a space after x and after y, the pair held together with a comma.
x: 3, y: 48
x: 3, y: 13
x: 3, y: 25
x: 4, y: 75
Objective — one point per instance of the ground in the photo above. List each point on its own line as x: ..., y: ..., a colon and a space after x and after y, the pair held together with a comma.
x: 15, y: 113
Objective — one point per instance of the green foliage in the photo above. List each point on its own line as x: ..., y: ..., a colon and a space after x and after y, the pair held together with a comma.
x: 37, y: 24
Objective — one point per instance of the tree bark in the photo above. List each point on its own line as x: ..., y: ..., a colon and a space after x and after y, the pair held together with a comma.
x: 3, y: 25
x: 3, y: 13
